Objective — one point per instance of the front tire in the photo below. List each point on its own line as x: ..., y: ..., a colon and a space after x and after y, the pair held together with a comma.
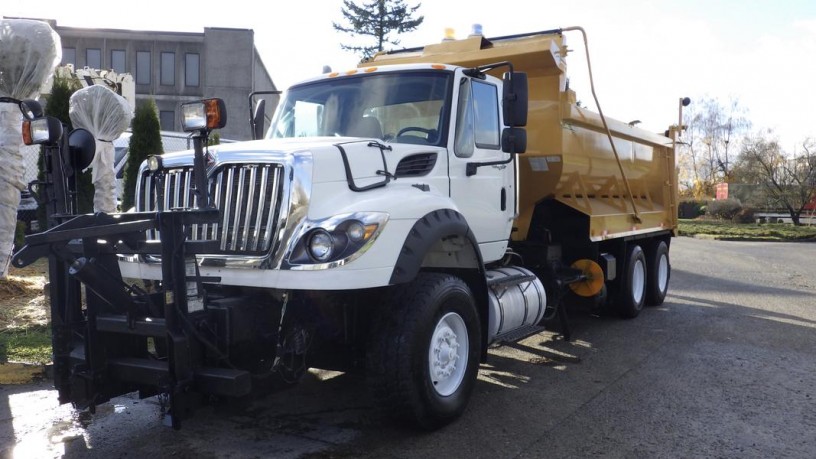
x: 632, y: 293
x: 423, y: 356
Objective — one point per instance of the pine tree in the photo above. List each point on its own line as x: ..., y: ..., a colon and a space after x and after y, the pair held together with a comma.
x: 377, y: 19
x: 145, y: 141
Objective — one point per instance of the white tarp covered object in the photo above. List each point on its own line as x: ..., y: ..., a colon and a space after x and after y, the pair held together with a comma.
x: 29, y: 52
x: 106, y: 116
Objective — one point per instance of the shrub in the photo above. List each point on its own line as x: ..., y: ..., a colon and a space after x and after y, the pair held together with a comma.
x: 745, y: 215
x: 691, y: 208
x: 724, y: 209
x: 145, y: 141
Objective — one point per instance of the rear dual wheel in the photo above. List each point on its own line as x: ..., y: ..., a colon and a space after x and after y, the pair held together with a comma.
x: 645, y: 278
x: 632, y: 293
x: 658, y: 274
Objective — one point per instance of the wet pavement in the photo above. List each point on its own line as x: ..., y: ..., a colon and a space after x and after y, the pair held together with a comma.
x: 725, y: 368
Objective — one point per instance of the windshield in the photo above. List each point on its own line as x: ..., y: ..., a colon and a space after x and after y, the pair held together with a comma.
x: 405, y: 107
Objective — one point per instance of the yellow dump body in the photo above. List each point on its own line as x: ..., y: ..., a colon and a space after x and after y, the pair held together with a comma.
x: 569, y: 157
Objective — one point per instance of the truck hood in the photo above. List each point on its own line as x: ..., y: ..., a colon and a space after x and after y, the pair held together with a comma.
x: 360, y: 162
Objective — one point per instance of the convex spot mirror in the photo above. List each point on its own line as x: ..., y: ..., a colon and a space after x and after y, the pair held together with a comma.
x: 31, y: 109
x: 514, y: 140
x: 82, y: 146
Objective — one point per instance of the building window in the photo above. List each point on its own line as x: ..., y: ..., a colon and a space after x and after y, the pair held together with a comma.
x: 167, y: 120
x: 143, y: 67
x: 191, y: 68
x: 168, y: 69
x: 118, y: 63
x: 69, y: 56
x: 93, y: 58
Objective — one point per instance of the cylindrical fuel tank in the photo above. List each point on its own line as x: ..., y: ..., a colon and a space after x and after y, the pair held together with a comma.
x: 517, y: 299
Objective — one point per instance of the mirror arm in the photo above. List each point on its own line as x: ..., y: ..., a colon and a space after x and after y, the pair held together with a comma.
x: 471, y: 168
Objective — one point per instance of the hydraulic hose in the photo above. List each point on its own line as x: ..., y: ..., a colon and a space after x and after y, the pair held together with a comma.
x: 635, y: 213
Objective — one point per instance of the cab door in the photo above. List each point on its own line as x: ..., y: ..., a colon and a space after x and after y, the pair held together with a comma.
x: 486, y: 197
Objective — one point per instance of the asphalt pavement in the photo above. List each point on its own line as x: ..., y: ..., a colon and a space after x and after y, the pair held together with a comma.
x: 725, y: 368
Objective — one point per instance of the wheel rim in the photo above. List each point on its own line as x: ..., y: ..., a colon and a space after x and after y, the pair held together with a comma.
x: 448, y: 354
x: 663, y: 273
x: 638, y: 281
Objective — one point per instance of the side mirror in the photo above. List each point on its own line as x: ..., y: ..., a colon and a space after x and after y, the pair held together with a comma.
x: 514, y: 140
x: 514, y: 99
x: 258, y: 119
x: 82, y: 148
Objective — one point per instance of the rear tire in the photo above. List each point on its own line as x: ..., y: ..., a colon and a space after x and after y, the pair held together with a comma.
x: 632, y: 292
x: 424, y: 351
x: 658, y: 274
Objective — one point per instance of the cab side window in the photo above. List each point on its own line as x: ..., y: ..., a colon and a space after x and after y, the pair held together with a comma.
x: 477, y: 121
x: 486, y: 115
x: 463, y: 142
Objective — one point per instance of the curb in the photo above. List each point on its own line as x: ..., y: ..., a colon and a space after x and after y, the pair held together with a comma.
x: 722, y: 237
x: 20, y: 373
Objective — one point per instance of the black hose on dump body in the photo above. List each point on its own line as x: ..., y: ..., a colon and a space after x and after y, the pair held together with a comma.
x: 635, y: 213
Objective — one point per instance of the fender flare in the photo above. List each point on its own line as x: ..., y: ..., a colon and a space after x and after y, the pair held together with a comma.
x: 430, y: 229
x: 427, y: 231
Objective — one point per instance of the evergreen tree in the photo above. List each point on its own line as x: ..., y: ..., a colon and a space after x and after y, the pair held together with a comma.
x: 145, y: 141
x: 377, y: 20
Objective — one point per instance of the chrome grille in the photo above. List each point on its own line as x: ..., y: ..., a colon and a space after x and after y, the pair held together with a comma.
x: 247, y: 196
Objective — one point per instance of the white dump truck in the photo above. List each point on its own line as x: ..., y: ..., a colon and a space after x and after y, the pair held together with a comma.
x: 396, y: 220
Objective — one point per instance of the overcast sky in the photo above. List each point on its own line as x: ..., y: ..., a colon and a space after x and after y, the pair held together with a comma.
x: 645, y: 53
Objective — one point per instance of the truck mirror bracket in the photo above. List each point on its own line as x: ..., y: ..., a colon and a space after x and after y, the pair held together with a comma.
x: 471, y: 168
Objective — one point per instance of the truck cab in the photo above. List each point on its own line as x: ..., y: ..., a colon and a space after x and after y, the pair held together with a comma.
x: 434, y: 119
x: 381, y: 148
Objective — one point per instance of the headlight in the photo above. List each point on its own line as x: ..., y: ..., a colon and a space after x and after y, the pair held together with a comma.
x: 356, y: 231
x: 41, y: 131
x: 203, y: 114
x: 321, y: 245
x: 154, y: 163
x: 336, y: 240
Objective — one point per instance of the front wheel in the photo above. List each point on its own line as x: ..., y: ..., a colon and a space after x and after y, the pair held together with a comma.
x: 423, y: 356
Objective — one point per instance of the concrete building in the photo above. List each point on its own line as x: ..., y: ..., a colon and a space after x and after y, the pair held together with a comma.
x: 176, y: 67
